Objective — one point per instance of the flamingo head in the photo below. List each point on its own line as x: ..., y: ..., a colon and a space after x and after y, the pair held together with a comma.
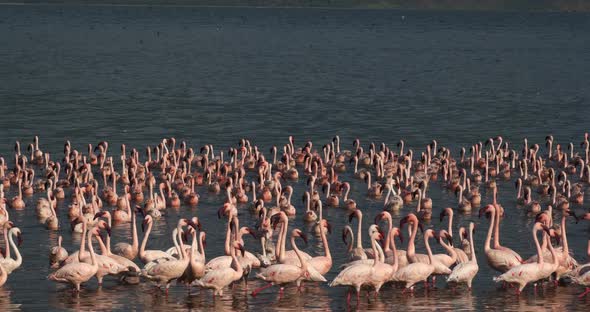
x: 100, y: 214
x: 462, y: 233
x: 195, y: 223
x: 147, y: 220
x: 19, y: 237
x: 379, y: 217
x: 487, y: 210
x: 327, y: 225
x: 445, y: 212
x: 355, y: 213
x: 447, y: 235
x: 299, y: 233
x: 103, y: 225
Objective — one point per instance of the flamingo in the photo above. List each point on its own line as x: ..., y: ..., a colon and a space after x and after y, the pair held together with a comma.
x: 323, y: 264
x: 581, y: 275
x: 164, y: 272
x: 416, y: 271
x: 57, y: 254
x: 127, y: 250
x: 196, y: 268
x: 358, y: 252
x: 147, y: 256
x: 289, y: 256
x: 362, y: 274
x: 464, y: 272
x: 498, y: 259
x: 219, y: 278
x: 8, y: 263
x: 526, y: 273
x: 439, y: 261
x: 76, y: 273
x: 461, y: 255
x: 280, y: 274
x: 393, y: 202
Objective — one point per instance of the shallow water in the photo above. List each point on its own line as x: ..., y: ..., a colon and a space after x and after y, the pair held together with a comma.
x: 213, y: 75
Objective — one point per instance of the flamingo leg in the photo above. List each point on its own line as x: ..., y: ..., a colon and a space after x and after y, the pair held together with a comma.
x: 587, y: 291
x: 257, y: 290
x: 281, y: 290
x: 348, y: 295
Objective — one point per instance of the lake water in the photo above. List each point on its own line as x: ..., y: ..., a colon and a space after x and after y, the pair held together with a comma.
x: 214, y: 75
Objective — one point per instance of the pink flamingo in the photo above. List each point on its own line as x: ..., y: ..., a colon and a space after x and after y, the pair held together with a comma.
x: 80, y: 272
x: 500, y: 260
x: 530, y: 272
x: 464, y: 272
x: 220, y: 278
x: 280, y: 274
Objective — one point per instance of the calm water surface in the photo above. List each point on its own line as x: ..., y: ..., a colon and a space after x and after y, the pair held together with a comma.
x: 214, y: 75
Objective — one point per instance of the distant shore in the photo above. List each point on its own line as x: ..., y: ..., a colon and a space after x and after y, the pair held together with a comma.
x: 481, y: 5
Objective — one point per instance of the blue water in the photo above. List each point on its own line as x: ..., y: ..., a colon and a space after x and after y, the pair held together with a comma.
x: 214, y: 75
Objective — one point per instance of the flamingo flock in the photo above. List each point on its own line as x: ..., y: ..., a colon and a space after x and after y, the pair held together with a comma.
x: 99, y: 188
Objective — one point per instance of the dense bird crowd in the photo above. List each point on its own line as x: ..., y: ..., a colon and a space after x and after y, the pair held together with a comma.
x: 82, y: 187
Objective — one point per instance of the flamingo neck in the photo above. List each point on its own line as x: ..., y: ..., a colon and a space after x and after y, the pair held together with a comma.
x: 19, y: 258
x: 473, y: 257
x: 298, y: 253
x: 395, y: 264
x: 91, y: 249
x: 359, y: 243
x: 490, y: 230
x: 377, y: 259
x: 202, y: 246
x: 325, y: 242
x: 564, y: 235
x: 539, y: 251
x: 497, y: 228
x: 430, y: 259
x: 7, y: 242
x: 411, y: 244
x: 103, y: 248
x: 346, y: 193
x: 227, y: 248
x: 450, y: 250
x: 451, y: 223
x: 145, y: 239
x: 388, y: 237
x: 135, y: 241
x: 82, y: 242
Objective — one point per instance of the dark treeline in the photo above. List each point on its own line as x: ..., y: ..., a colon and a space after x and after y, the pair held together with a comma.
x: 526, y: 5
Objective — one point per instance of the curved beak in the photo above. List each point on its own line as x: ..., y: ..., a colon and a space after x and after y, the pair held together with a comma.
x: 303, y: 237
x: 379, y: 217
x: 403, y: 221
x: 73, y: 224
x: 329, y: 226
x: 481, y: 211
x: 143, y: 224
x: 19, y: 239
x: 108, y: 229
x: 220, y: 212
x: 350, y: 217
x: 98, y: 215
x: 241, y: 248
x: 274, y: 220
